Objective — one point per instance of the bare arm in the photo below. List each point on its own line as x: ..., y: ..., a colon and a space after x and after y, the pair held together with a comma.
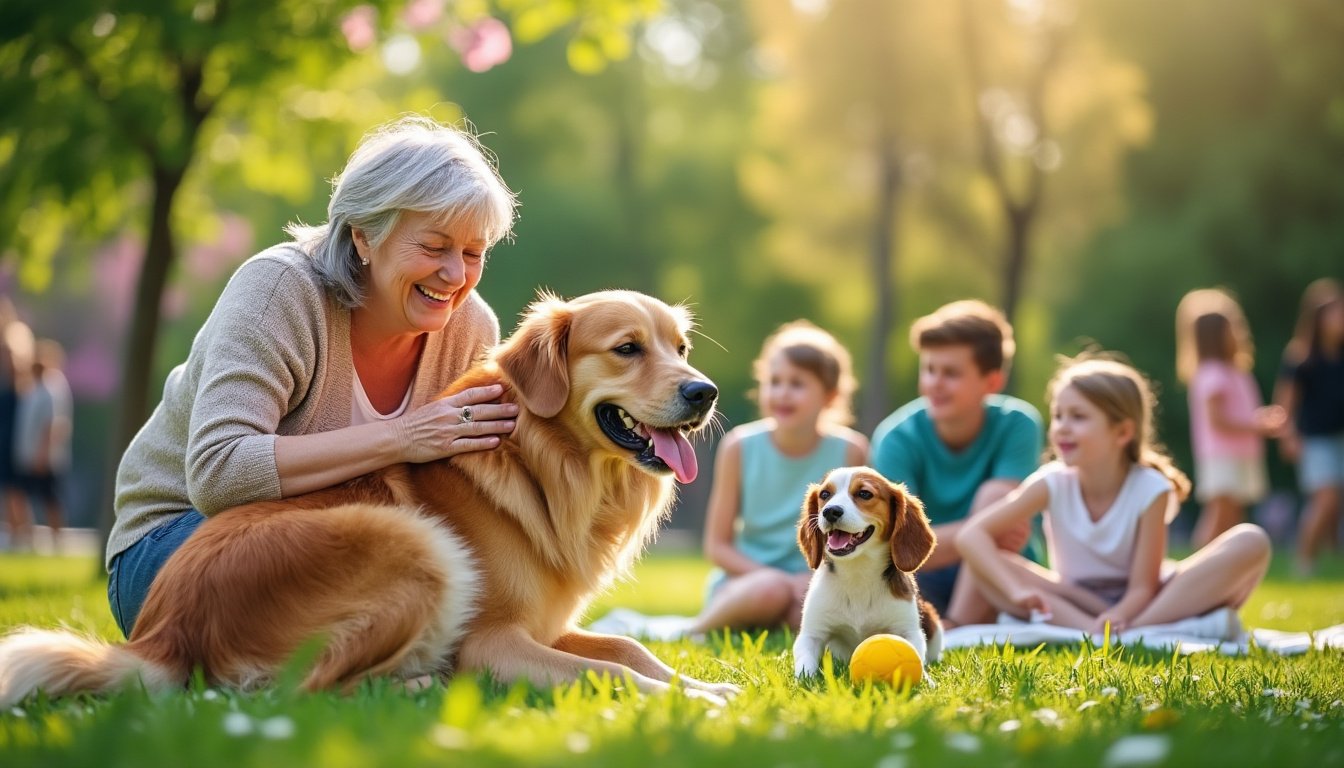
x: 433, y: 431
x: 723, y: 510
x: 978, y: 537
x: 946, y: 552
x: 1265, y: 422
x: 1145, y: 571
x: 1286, y: 397
x: 856, y: 448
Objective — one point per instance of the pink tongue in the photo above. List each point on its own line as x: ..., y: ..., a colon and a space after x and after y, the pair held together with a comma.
x: 839, y: 539
x: 673, y: 448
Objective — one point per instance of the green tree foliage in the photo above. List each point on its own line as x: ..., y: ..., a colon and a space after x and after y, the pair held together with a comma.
x: 110, y: 101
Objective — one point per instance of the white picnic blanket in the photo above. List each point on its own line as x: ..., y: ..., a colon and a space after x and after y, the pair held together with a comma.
x: 1166, y: 638
x: 1211, y: 632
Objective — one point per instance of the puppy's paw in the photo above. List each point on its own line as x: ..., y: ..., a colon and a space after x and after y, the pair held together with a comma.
x: 802, y: 669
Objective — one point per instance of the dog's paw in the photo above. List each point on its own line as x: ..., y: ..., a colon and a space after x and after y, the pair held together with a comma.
x: 726, y: 690
x: 705, y: 696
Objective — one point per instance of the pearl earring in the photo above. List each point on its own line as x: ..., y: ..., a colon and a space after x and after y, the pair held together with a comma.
x: 365, y: 262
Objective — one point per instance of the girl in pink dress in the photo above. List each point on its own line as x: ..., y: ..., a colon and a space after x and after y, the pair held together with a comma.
x: 1228, y: 419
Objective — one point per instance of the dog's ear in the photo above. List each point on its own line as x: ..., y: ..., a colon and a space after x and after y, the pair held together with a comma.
x: 535, y: 359
x: 912, y: 537
x: 809, y: 535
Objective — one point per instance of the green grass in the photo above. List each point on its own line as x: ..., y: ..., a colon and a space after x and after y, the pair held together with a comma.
x: 1072, y: 706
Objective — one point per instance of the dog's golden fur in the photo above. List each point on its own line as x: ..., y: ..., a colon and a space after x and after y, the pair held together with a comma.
x: 486, y: 561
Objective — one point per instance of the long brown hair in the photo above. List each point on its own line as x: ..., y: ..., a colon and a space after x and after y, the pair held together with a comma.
x: 1122, y: 393
x: 1203, y: 319
x: 1320, y: 294
x: 817, y: 352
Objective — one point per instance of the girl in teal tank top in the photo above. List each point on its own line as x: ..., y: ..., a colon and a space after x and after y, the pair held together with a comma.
x: 761, y: 472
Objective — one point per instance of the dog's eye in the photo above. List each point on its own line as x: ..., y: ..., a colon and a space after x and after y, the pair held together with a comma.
x: 824, y: 495
x: 628, y: 349
x: 683, y: 350
x: 865, y: 494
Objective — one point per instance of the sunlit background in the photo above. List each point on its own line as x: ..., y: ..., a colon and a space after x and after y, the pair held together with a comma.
x: 854, y: 162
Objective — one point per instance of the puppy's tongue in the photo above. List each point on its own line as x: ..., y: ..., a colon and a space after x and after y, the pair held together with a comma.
x: 676, y: 452
x: 839, y: 539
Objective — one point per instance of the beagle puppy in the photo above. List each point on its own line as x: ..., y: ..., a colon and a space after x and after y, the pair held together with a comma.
x: 863, y: 535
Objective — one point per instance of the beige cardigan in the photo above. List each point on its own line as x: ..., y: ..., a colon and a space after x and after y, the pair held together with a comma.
x: 272, y: 359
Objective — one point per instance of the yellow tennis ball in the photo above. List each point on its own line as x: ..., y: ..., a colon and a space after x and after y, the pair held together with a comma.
x: 887, y: 659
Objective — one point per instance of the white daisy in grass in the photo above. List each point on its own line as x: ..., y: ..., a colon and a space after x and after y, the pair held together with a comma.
x: 1136, y: 751
x: 277, y: 728
x: 237, y: 724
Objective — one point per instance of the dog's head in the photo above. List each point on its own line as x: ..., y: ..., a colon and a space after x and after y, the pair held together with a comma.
x: 612, y: 366
x: 856, y: 512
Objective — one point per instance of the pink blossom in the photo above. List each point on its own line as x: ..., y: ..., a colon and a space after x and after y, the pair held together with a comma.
x: 482, y: 45
x: 422, y: 13
x: 207, y: 262
x: 92, y: 370
x: 117, y: 270
x: 359, y: 28
x: 173, y: 302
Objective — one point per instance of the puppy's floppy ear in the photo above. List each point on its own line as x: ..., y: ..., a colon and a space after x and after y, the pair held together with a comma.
x: 809, y: 535
x: 912, y: 537
x: 535, y: 359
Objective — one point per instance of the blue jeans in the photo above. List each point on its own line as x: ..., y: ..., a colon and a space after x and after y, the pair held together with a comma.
x: 134, y: 569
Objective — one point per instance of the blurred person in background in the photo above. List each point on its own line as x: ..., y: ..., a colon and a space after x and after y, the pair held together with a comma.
x: 1228, y: 419
x: 1311, y: 390
x: 16, y: 354
x: 42, y: 429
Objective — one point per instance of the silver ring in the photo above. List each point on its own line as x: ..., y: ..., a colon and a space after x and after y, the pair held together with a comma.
x: 466, y: 414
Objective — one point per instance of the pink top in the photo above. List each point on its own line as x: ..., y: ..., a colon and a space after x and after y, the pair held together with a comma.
x: 1241, y: 397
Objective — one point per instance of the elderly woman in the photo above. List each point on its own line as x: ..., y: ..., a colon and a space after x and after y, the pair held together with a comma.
x: 321, y: 359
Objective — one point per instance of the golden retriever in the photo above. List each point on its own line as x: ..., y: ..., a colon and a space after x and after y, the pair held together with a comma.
x: 482, y: 562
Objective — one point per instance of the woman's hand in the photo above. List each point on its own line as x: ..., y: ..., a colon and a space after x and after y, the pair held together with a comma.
x: 471, y: 420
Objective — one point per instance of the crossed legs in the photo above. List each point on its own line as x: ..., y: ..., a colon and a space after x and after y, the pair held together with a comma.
x: 1224, y: 573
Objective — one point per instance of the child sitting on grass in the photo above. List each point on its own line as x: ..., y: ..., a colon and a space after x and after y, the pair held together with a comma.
x: 1107, y: 499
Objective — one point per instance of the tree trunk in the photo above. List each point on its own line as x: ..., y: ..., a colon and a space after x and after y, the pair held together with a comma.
x: 138, y: 359
x: 1019, y: 221
x: 874, y: 401
x: 629, y: 123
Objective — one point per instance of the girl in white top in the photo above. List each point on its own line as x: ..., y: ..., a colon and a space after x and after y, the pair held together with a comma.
x: 1107, y: 499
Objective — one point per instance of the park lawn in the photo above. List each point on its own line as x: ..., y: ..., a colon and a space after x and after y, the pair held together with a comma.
x: 1072, y: 706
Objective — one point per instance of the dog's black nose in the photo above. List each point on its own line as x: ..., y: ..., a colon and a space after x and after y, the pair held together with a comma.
x: 699, y: 394
x: 832, y: 514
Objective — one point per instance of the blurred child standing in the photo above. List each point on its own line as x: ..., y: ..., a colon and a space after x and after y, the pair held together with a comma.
x: 42, y: 429
x: 1228, y: 419
x: 1311, y: 390
x: 16, y: 355
x: 761, y: 472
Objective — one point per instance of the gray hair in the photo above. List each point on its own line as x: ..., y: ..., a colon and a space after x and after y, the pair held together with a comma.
x: 410, y: 164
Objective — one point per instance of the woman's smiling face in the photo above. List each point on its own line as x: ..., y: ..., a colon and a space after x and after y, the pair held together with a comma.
x: 421, y: 273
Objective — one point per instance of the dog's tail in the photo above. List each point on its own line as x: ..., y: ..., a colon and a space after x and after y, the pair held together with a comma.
x: 62, y: 663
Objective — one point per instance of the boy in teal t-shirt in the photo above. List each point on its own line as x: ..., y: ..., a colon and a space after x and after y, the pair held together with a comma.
x: 961, y: 446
